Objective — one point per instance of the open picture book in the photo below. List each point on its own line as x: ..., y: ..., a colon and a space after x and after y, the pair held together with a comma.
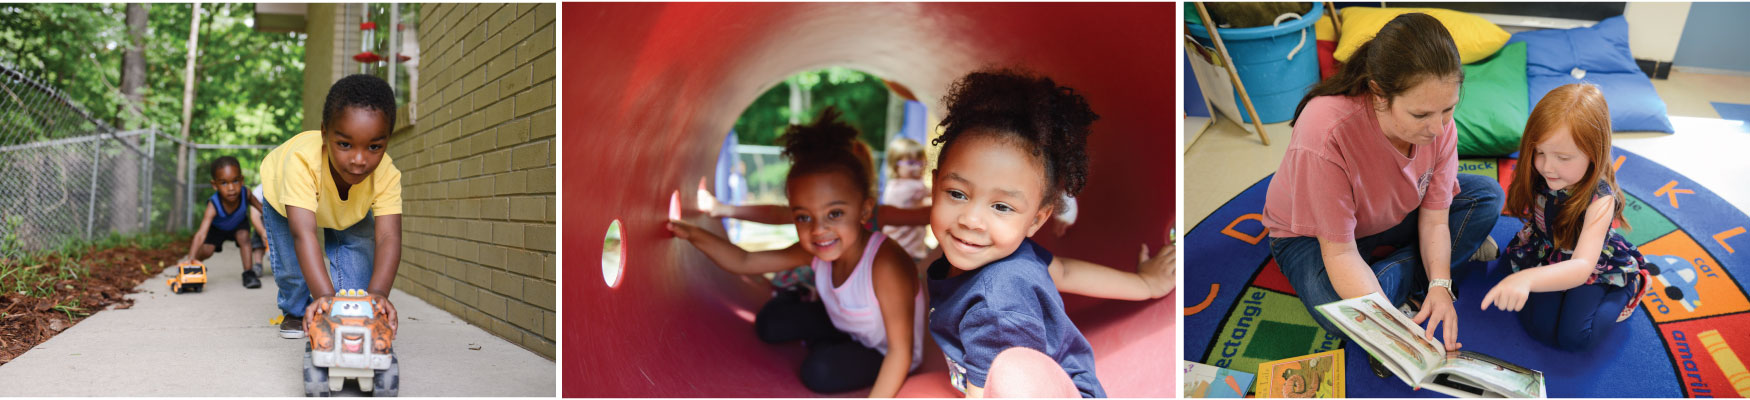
x: 1204, y: 381
x: 1399, y: 344
x: 1318, y: 375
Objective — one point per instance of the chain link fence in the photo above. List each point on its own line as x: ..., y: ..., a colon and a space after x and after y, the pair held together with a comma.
x: 65, y: 175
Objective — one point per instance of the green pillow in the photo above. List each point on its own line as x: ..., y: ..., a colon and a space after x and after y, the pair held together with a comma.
x: 1493, y: 104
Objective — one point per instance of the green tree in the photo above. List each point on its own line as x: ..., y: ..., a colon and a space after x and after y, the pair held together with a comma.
x: 862, y: 98
x: 248, y: 88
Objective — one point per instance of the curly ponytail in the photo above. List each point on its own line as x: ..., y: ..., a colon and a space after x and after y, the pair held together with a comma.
x: 823, y: 145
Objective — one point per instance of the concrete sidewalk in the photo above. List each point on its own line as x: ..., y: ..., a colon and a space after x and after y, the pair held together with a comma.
x: 219, y: 343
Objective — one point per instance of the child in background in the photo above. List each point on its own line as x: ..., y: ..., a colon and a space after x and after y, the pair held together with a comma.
x: 905, y: 190
x: 868, y: 327
x: 1574, y: 276
x: 335, y: 195
x: 227, y: 210
x: 1012, y: 144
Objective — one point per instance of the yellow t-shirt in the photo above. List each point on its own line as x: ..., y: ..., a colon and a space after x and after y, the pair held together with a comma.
x: 296, y: 174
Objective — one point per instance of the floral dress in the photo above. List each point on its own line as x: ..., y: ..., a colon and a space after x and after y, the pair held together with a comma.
x: 1618, y: 266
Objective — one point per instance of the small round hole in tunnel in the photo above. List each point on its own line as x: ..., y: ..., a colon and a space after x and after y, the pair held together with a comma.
x: 613, y: 255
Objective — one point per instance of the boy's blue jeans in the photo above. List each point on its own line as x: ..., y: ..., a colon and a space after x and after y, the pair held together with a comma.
x: 1472, y: 215
x: 350, y: 254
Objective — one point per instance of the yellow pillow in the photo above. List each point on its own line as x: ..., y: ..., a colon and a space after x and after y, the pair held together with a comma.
x: 1476, y: 37
x: 1324, y: 29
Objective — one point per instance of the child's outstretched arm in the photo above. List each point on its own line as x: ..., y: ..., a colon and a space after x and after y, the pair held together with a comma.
x: 733, y: 258
x: 200, y: 235
x: 1153, y: 277
x: 255, y: 205
x: 1511, y: 293
x: 386, y: 260
x: 769, y: 214
x: 310, y: 258
x: 255, y: 221
x: 896, y: 290
x: 778, y: 214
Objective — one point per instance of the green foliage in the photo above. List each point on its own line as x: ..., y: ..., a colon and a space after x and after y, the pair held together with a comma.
x: 35, y: 273
x: 67, y: 45
x: 772, y: 176
x: 248, y: 84
x: 860, y: 96
x: 71, y: 307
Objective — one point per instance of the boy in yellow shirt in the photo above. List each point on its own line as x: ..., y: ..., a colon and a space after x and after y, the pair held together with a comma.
x: 334, y: 195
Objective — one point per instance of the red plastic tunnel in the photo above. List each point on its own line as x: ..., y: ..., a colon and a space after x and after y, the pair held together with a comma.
x: 650, y: 90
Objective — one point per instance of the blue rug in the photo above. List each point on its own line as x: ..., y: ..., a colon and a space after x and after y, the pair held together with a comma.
x: 1733, y: 111
x: 1241, y: 310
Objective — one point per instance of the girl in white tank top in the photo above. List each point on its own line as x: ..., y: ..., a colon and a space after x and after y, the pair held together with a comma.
x: 853, y: 308
x: 831, y: 198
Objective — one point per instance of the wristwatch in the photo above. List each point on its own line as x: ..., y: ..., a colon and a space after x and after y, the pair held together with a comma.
x: 1445, y: 284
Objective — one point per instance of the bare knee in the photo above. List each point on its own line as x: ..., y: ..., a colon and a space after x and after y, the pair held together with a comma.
x: 1024, y: 372
x: 206, y: 251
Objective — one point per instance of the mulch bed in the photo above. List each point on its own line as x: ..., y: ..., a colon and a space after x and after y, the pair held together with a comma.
x: 26, y: 321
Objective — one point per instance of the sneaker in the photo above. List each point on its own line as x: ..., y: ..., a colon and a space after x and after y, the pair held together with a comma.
x: 291, y: 327
x: 250, y: 280
x: 257, y: 269
x: 1488, y: 252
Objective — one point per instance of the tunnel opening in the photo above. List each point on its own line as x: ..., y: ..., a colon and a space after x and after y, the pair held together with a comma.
x: 751, y: 170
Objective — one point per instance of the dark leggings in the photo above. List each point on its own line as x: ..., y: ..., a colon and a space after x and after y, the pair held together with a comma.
x: 1574, y: 319
x: 835, y: 362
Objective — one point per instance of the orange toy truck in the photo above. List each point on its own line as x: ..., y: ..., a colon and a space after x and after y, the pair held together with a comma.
x: 191, y: 276
x: 350, y: 342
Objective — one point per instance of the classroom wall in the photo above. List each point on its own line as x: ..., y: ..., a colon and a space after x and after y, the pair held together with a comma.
x: 1654, y: 29
x: 478, y: 172
x: 1714, y: 38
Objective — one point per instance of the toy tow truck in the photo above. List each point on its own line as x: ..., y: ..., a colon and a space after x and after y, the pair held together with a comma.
x: 350, y: 342
x: 191, y: 276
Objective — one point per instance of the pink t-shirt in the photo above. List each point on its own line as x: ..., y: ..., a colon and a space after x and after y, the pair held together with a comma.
x: 1341, y: 179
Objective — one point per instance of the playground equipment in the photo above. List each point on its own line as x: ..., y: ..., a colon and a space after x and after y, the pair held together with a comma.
x: 190, y: 276
x: 350, y: 342
x: 667, y: 82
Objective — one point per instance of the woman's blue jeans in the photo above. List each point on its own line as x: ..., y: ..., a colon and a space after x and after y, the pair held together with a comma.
x: 1472, y: 215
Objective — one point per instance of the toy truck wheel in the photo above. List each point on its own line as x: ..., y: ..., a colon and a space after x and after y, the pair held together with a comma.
x: 316, y: 383
x: 387, y: 383
x: 195, y: 287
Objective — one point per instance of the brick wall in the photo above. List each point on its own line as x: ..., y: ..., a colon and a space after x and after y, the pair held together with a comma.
x: 478, y: 170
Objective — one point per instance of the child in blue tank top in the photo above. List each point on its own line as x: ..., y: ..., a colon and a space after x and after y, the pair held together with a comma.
x: 226, y: 217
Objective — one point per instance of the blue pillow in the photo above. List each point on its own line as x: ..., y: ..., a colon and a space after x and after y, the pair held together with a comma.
x: 1603, y: 47
x: 1634, y: 104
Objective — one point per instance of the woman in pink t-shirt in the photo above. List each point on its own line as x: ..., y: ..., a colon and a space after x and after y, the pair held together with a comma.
x: 1368, y: 197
